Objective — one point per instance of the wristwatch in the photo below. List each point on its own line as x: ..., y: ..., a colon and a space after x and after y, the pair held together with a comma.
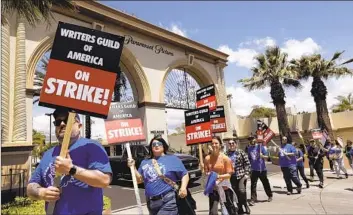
x: 73, y: 170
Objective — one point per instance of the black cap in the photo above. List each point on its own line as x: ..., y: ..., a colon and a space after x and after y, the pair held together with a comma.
x: 64, y: 111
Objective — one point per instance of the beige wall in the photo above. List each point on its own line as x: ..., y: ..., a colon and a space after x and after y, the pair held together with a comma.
x: 343, y: 123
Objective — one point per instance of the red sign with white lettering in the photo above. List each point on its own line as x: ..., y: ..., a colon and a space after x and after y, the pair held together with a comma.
x: 198, y: 126
x: 218, y: 121
x: 125, y: 130
x: 206, y: 97
x: 123, y: 123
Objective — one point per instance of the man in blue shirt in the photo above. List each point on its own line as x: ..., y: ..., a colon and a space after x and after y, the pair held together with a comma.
x: 87, y: 170
x: 257, y: 154
x: 288, y: 164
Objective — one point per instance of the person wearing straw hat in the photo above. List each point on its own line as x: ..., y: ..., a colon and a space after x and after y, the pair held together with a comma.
x: 87, y: 170
x: 336, y: 155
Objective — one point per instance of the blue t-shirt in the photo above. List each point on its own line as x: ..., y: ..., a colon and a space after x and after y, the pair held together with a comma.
x: 299, y: 154
x: 77, y: 197
x: 170, y: 165
x: 283, y: 160
x: 257, y: 163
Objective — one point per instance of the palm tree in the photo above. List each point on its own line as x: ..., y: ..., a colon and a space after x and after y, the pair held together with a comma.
x: 272, y: 70
x: 262, y: 112
x: 318, y: 68
x: 33, y: 11
x: 344, y: 103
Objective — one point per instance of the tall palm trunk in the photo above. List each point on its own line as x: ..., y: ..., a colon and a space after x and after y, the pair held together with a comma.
x: 277, y: 94
x: 319, y: 92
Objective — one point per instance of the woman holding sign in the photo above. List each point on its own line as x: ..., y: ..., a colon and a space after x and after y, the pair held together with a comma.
x: 159, y: 173
x: 220, y: 165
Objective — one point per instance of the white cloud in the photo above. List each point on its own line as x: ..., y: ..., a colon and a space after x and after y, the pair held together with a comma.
x: 302, y: 100
x: 296, y: 48
x: 175, y: 28
x: 244, y: 57
x: 174, y: 118
x: 42, y: 123
x: 241, y: 57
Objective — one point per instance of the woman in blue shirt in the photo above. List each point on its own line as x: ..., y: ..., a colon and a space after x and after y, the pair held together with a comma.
x: 299, y: 155
x: 160, y: 195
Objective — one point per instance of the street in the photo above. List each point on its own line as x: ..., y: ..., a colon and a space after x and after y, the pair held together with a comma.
x: 122, y: 193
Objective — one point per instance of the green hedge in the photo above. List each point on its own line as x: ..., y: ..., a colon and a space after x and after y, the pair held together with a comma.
x: 24, y: 205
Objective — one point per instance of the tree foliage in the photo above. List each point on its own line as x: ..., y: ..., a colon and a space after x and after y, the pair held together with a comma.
x: 345, y: 103
x: 262, y: 112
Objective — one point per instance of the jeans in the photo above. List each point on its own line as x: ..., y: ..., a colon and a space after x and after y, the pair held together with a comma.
x: 214, y: 201
x: 255, y: 175
x: 289, y: 175
x: 339, y: 165
x: 164, y: 206
x: 311, y: 166
x: 302, y: 173
x: 239, y: 187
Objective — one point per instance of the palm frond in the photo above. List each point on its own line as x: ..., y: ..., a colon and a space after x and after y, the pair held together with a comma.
x: 34, y: 11
x: 347, y: 62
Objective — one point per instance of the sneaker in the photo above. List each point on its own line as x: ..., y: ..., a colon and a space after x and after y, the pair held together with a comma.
x: 321, y: 185
x: 307, y: 185
x: 346, y: 175
x: 299, y: 190
x: 251, y: 202
x: 311, y: 178
x: 288, y: 193
x: 269, y: 199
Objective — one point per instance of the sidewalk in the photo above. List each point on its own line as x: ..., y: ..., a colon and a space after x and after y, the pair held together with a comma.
x: 335, y: 198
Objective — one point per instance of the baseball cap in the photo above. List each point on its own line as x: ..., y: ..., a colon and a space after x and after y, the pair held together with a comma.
x: 65, y: 112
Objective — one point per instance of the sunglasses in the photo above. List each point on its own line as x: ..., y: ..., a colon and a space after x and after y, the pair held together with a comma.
x: 155, y: 144
x: 59, y: 121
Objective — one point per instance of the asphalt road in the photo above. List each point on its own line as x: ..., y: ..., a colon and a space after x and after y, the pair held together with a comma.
x: 122, y: 193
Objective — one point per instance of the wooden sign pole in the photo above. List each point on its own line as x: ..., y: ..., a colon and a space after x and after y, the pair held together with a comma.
x: 63, y: 152
x: 134, y: 181
x: 202, y: 166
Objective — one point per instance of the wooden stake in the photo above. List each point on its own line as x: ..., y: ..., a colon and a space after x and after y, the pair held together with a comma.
x: 63, y: 152
x: 134, y: 181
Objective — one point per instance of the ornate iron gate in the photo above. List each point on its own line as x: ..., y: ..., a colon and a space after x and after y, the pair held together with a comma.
x: 180, y: 90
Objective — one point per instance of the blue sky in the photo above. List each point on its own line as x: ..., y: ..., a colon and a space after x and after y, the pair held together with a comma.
x: 243, y: 29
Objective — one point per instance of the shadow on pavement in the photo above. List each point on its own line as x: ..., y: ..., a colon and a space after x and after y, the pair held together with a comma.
x: 126, y: 183
x: 349, y: 189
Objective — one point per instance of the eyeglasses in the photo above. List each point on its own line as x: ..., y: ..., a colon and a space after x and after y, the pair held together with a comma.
x: 59, y: 121
x: 154, y: 144
x: 231, y: 143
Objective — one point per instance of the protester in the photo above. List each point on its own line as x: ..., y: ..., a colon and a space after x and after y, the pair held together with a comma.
x: 299, y: 155
x: 288, y: 164
x: 87, y: 170
x: 336, y: 155
x: 347, y: 150
x: 316, y: 154
x: 328, y: 145
x: 238, y: 180
x: 161, y: 195
x: 258, y: 154
x: 222, y: 165
x: 308, y: 146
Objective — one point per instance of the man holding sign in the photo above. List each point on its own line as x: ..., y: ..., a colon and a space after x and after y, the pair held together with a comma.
x: 87, y: 170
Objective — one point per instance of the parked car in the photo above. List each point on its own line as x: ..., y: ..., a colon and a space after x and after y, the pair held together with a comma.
x: 139, y: 153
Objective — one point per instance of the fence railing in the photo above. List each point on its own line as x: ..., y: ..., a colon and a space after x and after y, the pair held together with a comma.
x: 14, y: 183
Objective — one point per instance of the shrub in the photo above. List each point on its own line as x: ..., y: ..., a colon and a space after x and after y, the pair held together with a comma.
x: 24, y: 205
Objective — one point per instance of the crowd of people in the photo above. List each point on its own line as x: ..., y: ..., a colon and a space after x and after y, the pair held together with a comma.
x: 87, y: 170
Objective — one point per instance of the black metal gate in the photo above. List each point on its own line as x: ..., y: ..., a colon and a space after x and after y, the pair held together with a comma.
x: 180, y: 90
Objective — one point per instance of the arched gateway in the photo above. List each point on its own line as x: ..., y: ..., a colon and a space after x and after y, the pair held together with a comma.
x: 150, y: 53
